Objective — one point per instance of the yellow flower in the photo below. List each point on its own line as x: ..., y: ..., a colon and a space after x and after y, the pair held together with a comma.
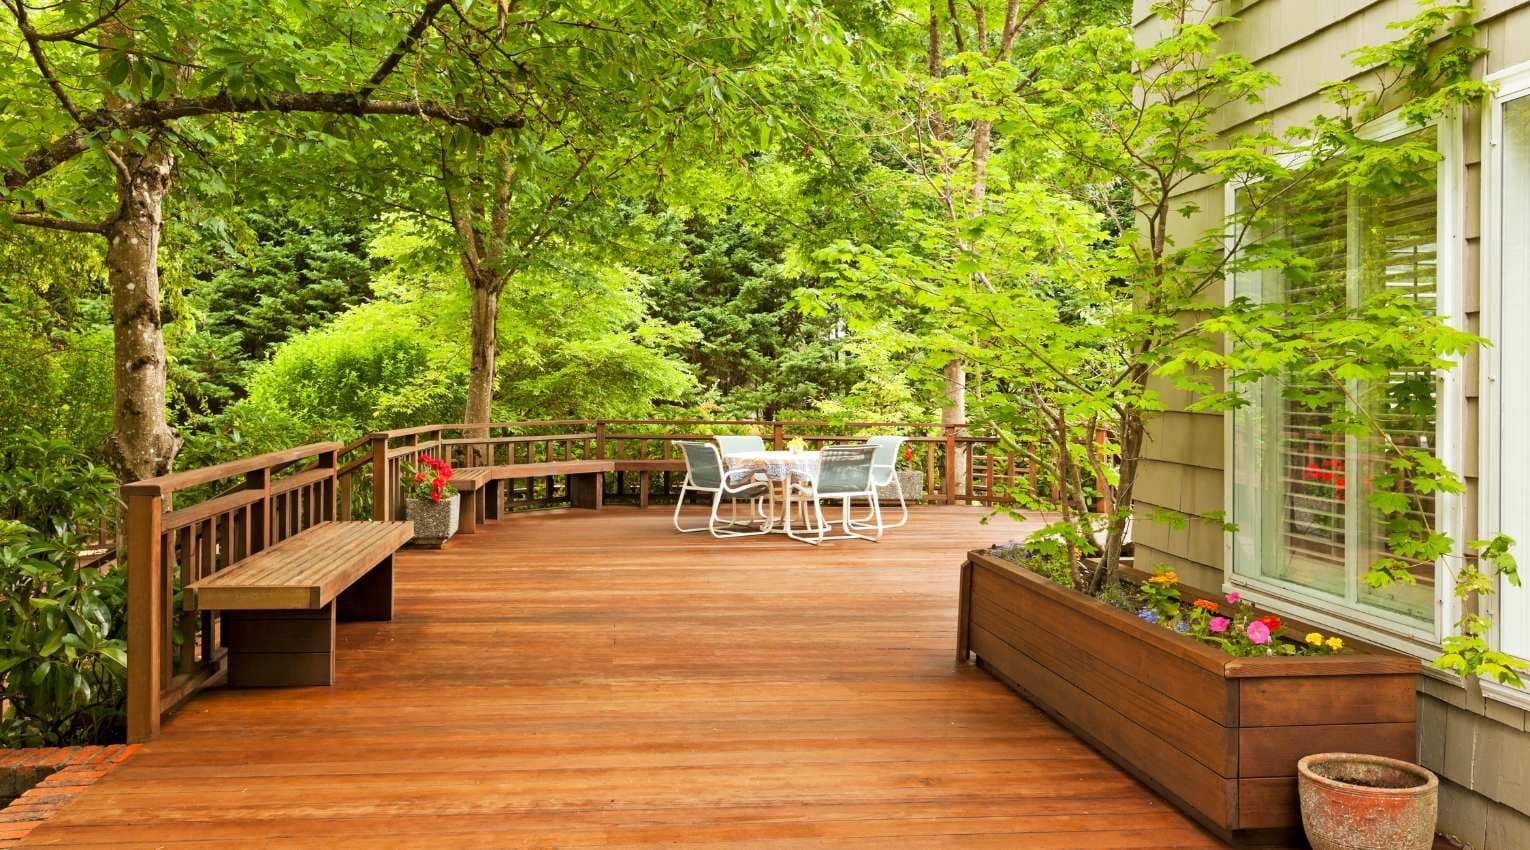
x: 1165, y: 578
x: 1314, y: 638
x: 1334, y: 644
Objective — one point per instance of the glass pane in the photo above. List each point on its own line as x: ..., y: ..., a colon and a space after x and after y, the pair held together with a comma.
x: 1307, y: 471
x: 1397, y: 253
x: 1513, y: 352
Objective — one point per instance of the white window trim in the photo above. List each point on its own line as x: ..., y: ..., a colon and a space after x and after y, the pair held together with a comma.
x: 1511, y: 83
x: 1452, y: 417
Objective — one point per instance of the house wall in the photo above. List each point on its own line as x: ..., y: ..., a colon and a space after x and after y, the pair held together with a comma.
x: 1480, y: 747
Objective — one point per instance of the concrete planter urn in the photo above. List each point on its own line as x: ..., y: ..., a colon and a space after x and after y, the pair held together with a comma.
x: 1361, y: 802
x: 912, y: 481
x: 434, y: 522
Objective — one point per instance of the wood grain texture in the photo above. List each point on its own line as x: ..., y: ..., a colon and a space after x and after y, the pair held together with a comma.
x: 578, y: 679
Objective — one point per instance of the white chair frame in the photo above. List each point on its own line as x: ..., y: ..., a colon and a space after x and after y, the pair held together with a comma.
x: 883, y: 474
x: 819, y: 530
x: 718, y: 526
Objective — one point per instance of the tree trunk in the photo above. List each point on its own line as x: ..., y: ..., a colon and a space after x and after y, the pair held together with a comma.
x: 484, y: 348
x: 954, y: 412
x: 142, y: 444
x: 1132, y: 433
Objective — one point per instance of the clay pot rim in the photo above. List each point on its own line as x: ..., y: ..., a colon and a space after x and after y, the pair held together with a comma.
x: 1429, y: 786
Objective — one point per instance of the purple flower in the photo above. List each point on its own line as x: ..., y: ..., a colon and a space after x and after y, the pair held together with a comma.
x: 1149, y: 616
x: 1181, y: 627
x: 1219, y: 625
x: 1259, y: 633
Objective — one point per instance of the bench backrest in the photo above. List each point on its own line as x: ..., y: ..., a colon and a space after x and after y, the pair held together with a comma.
x: 188, y: 525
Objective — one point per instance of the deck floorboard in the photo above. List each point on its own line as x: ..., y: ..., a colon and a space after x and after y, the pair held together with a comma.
x: 572, y: 679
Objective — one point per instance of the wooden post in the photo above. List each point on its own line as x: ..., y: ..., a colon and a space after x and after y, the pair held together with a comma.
x: 600, y: 439
x: 950, y: 484
x: 146, y: 613
x: 328, y: 460
x: 381, y: 486
x: 779, y: 434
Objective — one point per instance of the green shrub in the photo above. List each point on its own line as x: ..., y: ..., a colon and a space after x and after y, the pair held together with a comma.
x: 63, y: 653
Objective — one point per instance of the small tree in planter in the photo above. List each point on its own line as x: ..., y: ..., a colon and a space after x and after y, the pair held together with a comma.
x: 1083, y: 286
x: 432, y: 503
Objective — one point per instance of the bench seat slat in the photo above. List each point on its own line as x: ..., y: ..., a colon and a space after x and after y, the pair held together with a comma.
x: 304, y: 572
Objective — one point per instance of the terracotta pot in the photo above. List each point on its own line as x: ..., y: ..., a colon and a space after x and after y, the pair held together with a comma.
x: 1360, y: 802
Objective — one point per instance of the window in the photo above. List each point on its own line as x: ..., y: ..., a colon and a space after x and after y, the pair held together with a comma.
x: 1505, y: 315
x: 1297, y: 489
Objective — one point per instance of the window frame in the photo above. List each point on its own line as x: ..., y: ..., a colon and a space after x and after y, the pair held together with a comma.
x: 1512, y: 84
x: 1316, y: 607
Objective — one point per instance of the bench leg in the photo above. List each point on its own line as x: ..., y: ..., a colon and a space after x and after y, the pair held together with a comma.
x: 587, y: 490
x: 467, y: 520
x: 493, y: 504
x: 370, y: 598
x: 274, y: 649
x: 644, y: 479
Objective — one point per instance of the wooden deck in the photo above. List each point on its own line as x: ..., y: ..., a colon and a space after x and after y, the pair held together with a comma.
x: 571, y: 679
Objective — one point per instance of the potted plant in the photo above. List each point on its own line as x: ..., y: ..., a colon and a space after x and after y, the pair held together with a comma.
x: 911, y: 480
x: 431, y: 501
x: 1363, y: 802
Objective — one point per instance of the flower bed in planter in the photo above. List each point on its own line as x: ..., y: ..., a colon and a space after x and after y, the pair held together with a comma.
x: 1217, y: 735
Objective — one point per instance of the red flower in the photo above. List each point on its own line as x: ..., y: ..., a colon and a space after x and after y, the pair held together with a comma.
x: 419, y: 476
x: 1208, y: 605
x: 1270, y: 621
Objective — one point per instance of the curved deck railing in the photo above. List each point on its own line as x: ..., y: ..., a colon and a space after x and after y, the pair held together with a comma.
x: 185, y: 526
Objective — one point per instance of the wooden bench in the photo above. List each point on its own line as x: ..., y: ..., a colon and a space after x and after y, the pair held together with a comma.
x: 472, y: 483
x: 645, y: 470
x: 280, y: 605
x: 586, y: 481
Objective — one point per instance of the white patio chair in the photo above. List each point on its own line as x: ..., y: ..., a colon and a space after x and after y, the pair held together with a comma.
x: 704, y: 474
x: 844, y: 473
x: 884, y: 472
x: 733, y: 444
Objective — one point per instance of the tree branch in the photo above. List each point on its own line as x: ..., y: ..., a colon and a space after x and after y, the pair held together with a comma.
x: 402, y: 49
x: 18, y: 10
x: 149, y: 113
x: 51, y: 223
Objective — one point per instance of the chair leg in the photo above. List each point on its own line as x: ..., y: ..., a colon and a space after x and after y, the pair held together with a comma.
x: 724, y: 528
x: 680, y: 503
x: 902, y: 504
x: 873, y: 515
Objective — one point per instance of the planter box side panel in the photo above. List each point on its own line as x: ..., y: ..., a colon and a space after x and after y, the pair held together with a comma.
x: 1298, y: 700
x: 1082, y: 666
x: 1362, y: 714
x: 1194, y: 787
x: 1202, y: 690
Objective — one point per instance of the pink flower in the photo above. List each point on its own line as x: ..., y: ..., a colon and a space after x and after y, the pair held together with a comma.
x: 1234, y: 597
x: 1259, y: 633
x: 1219, y: 625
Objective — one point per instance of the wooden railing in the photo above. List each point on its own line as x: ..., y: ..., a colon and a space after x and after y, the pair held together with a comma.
x: 959, y: 467
x: 173, y: 653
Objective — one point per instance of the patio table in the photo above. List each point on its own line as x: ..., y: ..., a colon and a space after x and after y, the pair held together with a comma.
x: 778, y: 468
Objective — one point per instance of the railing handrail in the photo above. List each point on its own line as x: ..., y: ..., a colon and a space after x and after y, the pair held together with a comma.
x: 164, y: 485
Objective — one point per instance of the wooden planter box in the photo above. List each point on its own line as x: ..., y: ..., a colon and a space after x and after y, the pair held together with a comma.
x: 1216, y: 735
